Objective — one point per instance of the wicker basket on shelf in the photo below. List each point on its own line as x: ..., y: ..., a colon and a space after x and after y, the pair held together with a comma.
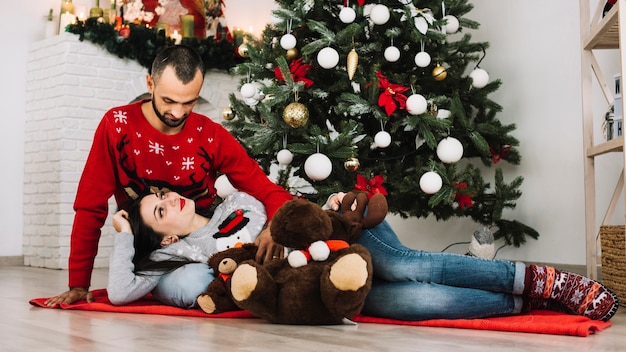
x: 613, y: 242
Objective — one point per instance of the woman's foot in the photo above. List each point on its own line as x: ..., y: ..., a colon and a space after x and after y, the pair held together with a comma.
x: 580, y: 294
x: 532, y: 304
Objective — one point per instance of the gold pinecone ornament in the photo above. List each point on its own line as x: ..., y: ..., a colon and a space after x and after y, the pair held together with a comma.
x: 352, y: 62
x: 296, y: 115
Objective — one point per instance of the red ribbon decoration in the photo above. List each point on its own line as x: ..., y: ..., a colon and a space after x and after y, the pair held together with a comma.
x: 462, y: 199
x: 496, y: 156
x: 298, y: 72
x: 371, y: 186
x: 391, y: 98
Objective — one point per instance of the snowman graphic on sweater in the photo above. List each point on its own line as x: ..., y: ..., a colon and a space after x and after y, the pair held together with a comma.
x: 233, y: 231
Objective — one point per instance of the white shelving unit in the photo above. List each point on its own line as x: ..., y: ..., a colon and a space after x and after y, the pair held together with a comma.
x: 599, y: 33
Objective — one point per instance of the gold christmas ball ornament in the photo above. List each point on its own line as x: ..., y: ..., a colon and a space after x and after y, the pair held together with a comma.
x: 352, y: 164
x: 227, y: 113
x: 242, y: 50
x: 296, y: 115
x: 291, y: 54
x: 439, y: 73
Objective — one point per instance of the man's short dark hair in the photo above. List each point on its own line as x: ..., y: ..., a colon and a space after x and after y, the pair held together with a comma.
x: 184, y: 60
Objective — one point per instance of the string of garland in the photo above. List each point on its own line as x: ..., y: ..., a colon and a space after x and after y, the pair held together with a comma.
x: 140, y: 43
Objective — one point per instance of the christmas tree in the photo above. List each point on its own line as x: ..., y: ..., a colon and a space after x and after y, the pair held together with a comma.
x: 379, y: 96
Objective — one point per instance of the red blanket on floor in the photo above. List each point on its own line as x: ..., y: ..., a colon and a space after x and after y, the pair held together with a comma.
x: 540, y: 321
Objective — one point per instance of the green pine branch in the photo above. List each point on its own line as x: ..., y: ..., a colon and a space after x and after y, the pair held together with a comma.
x: 143, y: 43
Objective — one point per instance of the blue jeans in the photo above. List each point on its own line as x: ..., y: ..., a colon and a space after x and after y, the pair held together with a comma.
x: 181, y: 287
x: 416, y: 285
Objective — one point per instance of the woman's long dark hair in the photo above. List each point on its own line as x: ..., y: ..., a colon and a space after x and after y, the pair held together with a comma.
x: 146, y: 241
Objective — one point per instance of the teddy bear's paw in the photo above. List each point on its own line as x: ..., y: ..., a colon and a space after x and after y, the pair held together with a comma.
x: 206, y: 303
x: 243, y: 282
x: 349, y: 273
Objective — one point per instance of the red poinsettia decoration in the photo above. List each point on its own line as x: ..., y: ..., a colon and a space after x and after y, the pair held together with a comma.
x: 298, y: 72
x: 497, y: 155
x: 463, y: 199
x: 371, y: 186
x: 391, y: 97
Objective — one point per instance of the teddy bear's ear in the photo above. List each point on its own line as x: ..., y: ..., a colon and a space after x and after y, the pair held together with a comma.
x: 250, y: 249
x: 214, y: 260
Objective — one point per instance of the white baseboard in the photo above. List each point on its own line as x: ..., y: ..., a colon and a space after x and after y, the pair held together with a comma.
x: 17, y: 260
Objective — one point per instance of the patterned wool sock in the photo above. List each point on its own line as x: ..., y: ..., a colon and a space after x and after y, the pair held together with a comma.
x: 577, y: 293
x: 531, y: 304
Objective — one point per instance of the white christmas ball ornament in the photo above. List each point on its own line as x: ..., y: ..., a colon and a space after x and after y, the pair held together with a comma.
x: 479, y: 77
x: 318, y: 167
x: 422, y: 59
x: 430, y: 182
x: 223, y: 187
x: 258, y: 93
x: 450, y: 150
x: 288, y: 41
x: 382, y: 139
x: 347, y: 14
x: 416, y: 104
x: 392, y: 54
x: 328, y: 58
x: 379, y: 14
x: 452, y: 24
x: 248, y: 90
x: 251, y: 102
x: 284, y: 157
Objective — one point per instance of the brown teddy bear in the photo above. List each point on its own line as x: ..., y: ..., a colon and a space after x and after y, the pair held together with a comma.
x: 217, y: 298
x: 327, y: 289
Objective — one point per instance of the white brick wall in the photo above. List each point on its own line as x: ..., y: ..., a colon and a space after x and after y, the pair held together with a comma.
x: 70, y: 84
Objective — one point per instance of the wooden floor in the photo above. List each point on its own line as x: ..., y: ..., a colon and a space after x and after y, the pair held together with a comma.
x: 27, y: 328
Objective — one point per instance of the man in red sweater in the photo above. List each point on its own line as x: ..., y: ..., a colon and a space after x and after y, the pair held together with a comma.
x: 161, y: 145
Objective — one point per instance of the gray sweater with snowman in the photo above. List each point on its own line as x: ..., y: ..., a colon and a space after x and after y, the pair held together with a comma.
x: 240, y: 218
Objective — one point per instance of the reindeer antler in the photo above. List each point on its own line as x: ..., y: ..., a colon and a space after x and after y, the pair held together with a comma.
x: 377, y: 209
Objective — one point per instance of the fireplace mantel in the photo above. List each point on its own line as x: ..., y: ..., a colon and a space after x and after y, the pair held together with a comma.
x: 70, y: 85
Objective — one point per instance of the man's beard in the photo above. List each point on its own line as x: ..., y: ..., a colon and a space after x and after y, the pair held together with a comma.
x: 165, y: 120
